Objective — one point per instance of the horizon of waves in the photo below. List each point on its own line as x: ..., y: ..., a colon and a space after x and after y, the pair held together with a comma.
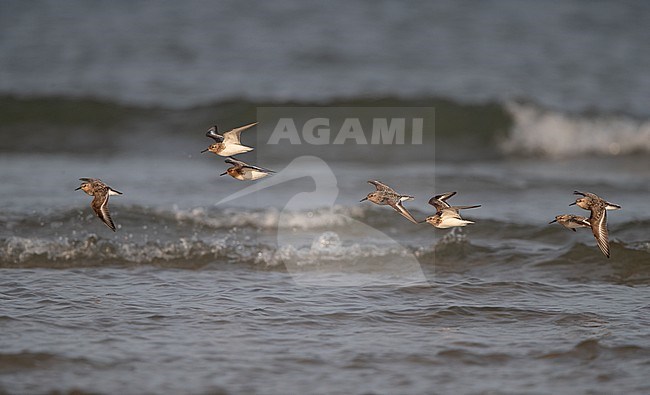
x: 503, y: 128
x: 206, y: 238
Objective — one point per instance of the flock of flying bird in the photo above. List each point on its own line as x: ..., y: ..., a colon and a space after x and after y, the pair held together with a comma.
x: 229, y: 144
x: 446, y: 216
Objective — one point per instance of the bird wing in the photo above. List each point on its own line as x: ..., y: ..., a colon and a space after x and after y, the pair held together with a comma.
x: 100, y: 206
x: 440, y: 201
x: 236, y: 162
x: 439, y: 205
x: 212, y: 133
x: 381, y: 186
x: 257, y: 168
x: 590, y: 195
x: 400, y: 209
x: 232, y: 136
x: 598, y: 221
x: 449, y: 212
x: 593, y: 196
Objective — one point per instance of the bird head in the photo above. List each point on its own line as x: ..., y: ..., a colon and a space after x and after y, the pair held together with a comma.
x: 211, y: 148
x: 86, y: 187
x: 581, y: 202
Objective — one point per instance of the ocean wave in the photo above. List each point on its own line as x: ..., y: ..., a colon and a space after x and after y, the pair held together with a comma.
x: 489, y: 128
x: 93, y: 250
x: 338, y: 239
x: 544, y: 132
x: 188, y: 253
x: 16, y: 362
x: 592, y: 349
x: 175, y: 220
x: 343, y: 264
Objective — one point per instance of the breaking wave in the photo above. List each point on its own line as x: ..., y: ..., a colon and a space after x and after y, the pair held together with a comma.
x: 489, y: 128
x: 540, y: 131
x: 200, y: 237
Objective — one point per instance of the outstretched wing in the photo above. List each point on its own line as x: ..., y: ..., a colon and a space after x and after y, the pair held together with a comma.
x: 440, y: 201
x: 232, y: 136
x: 381, y: 186
x: 235, y: 162
x: 581, y: 221
x: 212, y: 133
x: 400, y: 209
x: 100, y: 206
x: 262, y: 169
x: 598, y: 223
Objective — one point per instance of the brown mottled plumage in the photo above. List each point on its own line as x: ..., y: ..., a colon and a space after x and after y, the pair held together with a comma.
x: 385, y: 195
x: 590, y: 200
x: 100, y: 192
x: 571, y: 221
x: 229, y: 143
x: 447, y: 216
x: 598, y: 218
x: 245, y: 172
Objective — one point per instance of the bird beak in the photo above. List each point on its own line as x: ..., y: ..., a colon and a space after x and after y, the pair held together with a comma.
x: 365, y: 198
x: 76, y: 189
x: 223, y: 174
x: 555, y: 220
x: 205, y: 150
x: 572, y: 204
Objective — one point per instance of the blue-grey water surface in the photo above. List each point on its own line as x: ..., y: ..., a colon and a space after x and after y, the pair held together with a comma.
x: 298, y: 287
x: 148, y: 330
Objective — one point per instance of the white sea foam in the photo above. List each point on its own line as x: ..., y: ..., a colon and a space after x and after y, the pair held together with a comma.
x: 268, y: 218
x: 555, y: 134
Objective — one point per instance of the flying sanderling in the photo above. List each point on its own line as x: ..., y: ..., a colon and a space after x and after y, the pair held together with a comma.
x: 385, y: 195
x: 591, y: 199
x: 571, y: 221
x: 100, y: 192
x: 447, y: 216
x: 229, y: 143
x: 245, y: 172
x: 598, y: 218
